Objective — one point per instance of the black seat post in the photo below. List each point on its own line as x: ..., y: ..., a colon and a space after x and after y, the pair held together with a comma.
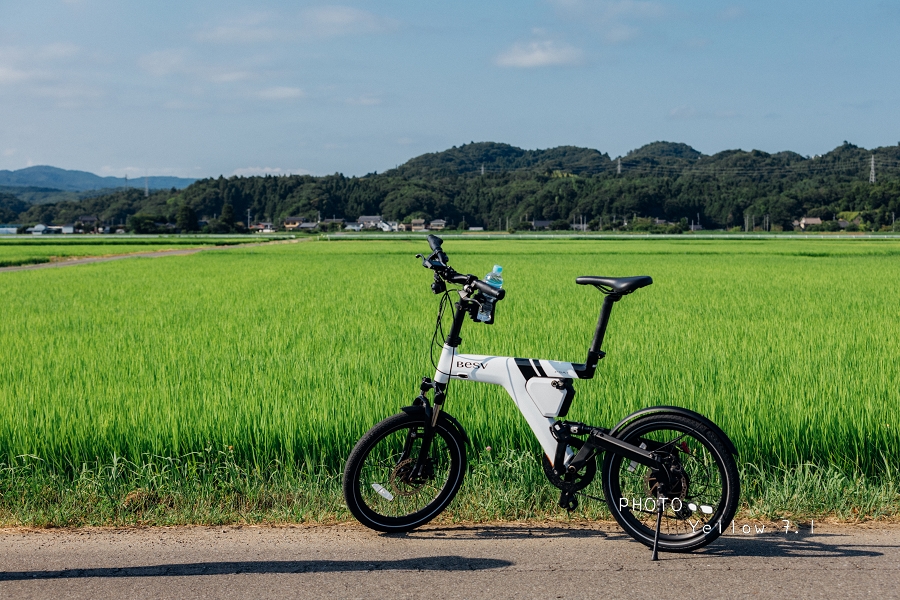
x: 602, y: 322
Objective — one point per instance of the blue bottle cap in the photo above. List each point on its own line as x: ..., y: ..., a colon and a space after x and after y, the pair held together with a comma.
x: 498, y: 269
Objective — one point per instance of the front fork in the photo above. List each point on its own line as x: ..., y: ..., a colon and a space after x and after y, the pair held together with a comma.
x: 432, y: 412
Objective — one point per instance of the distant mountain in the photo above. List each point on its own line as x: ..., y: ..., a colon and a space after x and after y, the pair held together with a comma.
x: 81, y: 181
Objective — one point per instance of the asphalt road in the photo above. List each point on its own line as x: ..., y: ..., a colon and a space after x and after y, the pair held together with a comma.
x: 490, y: 561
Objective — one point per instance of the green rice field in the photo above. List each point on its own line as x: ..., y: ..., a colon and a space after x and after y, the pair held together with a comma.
x: 231, y: 385
x: 34, y: 250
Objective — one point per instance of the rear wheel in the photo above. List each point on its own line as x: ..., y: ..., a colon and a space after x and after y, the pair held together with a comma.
x: 701, y: 488
x: 389, y: 486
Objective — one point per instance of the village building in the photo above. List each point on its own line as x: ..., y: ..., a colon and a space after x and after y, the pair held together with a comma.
x: 807, y: 221
x: 292, y: 223
x: 369, y: 222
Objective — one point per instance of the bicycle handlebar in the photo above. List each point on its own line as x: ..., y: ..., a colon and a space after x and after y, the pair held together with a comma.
x: 448, y: 273
x: 489, y: 290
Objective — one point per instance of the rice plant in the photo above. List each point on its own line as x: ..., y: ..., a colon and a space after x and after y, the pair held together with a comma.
x: 283, y: 356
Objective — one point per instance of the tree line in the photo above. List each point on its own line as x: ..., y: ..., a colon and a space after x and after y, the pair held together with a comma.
x: 496, y: 186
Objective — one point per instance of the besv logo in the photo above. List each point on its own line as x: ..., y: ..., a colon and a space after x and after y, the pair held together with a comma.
x: 464, y: 364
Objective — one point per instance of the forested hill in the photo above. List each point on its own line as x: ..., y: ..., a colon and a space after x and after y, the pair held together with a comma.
x: 492, y: 158
x: 485, y: 184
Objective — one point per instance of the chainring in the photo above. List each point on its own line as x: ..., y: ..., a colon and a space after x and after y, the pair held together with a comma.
x: 576, y: 481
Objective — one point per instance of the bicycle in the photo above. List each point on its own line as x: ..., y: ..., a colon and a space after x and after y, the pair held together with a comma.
x: 668, y: 474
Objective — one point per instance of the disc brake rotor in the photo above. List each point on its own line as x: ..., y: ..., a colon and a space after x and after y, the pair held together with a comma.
x: 677, y: 489
x: 402, y: 481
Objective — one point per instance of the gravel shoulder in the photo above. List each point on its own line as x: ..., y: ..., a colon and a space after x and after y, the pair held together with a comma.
x: 494, y: 560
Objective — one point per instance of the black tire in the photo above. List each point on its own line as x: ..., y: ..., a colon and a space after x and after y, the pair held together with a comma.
x: 710, y: 484
x: 403, y: 503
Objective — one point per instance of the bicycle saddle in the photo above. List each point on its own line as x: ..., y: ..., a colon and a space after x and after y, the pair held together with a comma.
x: 618, y: 285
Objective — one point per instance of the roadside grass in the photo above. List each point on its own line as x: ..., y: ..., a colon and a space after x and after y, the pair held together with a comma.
x: 230, y: 387
x: 211, y: 488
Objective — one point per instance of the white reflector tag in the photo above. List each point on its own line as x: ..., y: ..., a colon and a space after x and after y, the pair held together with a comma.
x: 383, y: 492
x: 706, y: 510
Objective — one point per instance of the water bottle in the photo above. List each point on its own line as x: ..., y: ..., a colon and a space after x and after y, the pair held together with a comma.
x: 495, y: 280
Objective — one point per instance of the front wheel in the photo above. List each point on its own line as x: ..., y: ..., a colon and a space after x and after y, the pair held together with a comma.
x: 390, y: 486
x: 702, y: 489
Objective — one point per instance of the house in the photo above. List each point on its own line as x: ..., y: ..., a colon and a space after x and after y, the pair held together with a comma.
x: 807, y: 221
x: 88, y: 222
x: 418, y: 225
x: 262, y: 227
x: 327, y: 223
x: 540, y: 224
x: 36, y: 230
x: 393, y: 225
x: 292, y: 223
x: 369, y: 222
x: 306, y: 227
x: 353, y: 227
x: 843, y: 223
x: 437, y: 225
x: 9, y: 229
x: 70, y: 228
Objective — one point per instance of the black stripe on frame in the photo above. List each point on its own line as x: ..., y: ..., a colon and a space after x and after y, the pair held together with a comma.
x: 525, y: 368
x: 538, y: 368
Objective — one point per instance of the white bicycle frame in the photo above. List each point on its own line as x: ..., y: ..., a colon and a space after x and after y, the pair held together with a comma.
x: 540, y: 388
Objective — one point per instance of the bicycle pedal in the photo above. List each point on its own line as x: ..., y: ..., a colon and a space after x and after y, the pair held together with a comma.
x: 568, y: 501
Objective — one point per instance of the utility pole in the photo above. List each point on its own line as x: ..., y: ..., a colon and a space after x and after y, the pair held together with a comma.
x: 248, y: 218
x: 872, y: 169
x: 146, y: 187
x: 482, y: 169
x: 619, y: 167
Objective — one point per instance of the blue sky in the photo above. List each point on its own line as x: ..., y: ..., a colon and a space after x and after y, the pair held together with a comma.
x: 204, y: 88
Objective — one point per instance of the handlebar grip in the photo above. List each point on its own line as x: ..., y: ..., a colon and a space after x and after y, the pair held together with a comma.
x: 489, y: 290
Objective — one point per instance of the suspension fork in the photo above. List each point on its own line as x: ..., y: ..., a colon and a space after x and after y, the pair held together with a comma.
x: 432, y: 413
x: 433, y: 410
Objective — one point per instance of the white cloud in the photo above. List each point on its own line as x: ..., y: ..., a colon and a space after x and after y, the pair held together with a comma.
x: 230, y: 76
x: 10, y: 75
x: 689, y: 112
x: 248, y: 29
x: 539, y: 54
x: 57, y: 51
x: 313, y: 23
x: 281, y: 93
x: 364, y: 100
x: 163, y: 63
x: 329, y: 21
x: 251, y: 171
x: 617, y: 21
